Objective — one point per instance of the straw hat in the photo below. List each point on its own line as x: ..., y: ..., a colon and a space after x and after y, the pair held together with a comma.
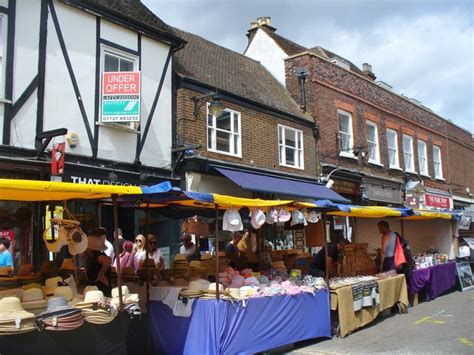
x: 213, y: 288
x: 51, y: 284
x: 90, y: 297
x: 207, y: 256
x: 32, y: 285
x: 5, y: 271
x: 90, y: 288
x: 235, y: 293
x: 76, y: 240
x: 180, y: 257
x: 195, y: 264
x: 64, y: 323
x: 11, y: 309
x: 33, y: 298
x: 67, y: 293
x: 127, y: 297
x: 99, y: 316
x: 194, y: 289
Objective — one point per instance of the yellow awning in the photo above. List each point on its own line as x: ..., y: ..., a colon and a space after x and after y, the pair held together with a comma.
x: 423, y: 215
x: 32, y: 190
x: 368, y: 212
x: 224, y: 201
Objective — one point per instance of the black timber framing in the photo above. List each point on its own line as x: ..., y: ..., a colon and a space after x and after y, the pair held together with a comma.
x: 43, y: 36
x: 9, y: 70
x: 95, y: 145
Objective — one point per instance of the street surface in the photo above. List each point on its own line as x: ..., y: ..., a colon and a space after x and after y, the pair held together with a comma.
x: 442, y: 326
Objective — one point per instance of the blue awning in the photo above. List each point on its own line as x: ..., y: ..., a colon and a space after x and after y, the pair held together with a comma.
x: 283, y: 186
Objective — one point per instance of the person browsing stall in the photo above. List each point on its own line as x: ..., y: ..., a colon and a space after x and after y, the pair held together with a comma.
x: 97, y: 263
x: 232, y: 252
x: 187, y: 247
x: 138, y: 250
x: 387, y: 253
x: 153, y: 254
x: 5, y: 254
x: 318, y: 264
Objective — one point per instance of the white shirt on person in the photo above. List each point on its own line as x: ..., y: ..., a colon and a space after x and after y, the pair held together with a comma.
x: 156, y: 256
x: 110, y: 251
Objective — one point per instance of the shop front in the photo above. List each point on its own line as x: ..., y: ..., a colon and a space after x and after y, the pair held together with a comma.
x: 378, y: 192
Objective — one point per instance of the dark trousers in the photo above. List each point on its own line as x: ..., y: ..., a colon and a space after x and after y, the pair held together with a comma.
x: 388, y: 263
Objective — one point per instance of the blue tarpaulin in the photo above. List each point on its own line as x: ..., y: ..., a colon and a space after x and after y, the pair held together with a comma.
x: 222, y: 327
x: 288, y: 187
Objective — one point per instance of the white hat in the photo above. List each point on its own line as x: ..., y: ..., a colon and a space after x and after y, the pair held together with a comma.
x: 33, y: 298
x: 194, y: 289
x: 231, y: 220
x: 272, y: 216
x: 11, y: 309
x: 51, y: 284
x: 298, y: 218
x: 283, y: 215
x: 127, y: 297
x: 313, y: 217
x: 257, y: 218
x: 76, y: 240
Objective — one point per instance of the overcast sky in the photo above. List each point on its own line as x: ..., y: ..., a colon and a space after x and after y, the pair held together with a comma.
x: 423, y: 48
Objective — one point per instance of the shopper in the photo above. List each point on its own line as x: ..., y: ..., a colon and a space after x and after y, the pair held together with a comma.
x: 232, y: 252
x: 387, y: 253
x: 120, y: 241
x: 5, y: 254
x: 319, y: 262
x: 97, y: 263
x: 153, y: 253
x: 138, y: 250
x: 126, y: 257
x: 187, y: 247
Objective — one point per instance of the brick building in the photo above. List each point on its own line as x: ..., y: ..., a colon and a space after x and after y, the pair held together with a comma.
x: 261, y: 141
x: 386, y: 147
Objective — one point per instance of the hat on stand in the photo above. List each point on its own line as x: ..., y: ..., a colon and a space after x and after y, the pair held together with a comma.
x: 60, y: 316
x: 127, y: 297
x: 33, y: 300
x: 13, y: 318
x: 51, y: 284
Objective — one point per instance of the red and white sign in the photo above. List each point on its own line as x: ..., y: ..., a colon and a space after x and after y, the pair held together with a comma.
x: 437, y: 201
x: 9, y: 234
x: 121, y: 83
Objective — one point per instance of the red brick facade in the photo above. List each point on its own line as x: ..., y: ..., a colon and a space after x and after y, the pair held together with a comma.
x: 259, y: 135
x: 329, y: 87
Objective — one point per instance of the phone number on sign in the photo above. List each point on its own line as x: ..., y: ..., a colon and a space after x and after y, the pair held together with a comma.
x: 121, y: 119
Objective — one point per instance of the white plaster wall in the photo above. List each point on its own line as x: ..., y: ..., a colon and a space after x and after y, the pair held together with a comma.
x: 267, y: 52
x: 157, y: 149
x: 119, y: 35
x: 5, y: 3
x: 61, y: 108
x: 23, y: 126
x: 422, y: 235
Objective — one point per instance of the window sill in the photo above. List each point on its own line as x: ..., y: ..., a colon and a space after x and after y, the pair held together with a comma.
x: 395, y: 168
x: 348, y: 155
x: 439, y: 178
x: 376, y: 163
x: 118, y: 127
x: 410, y: 172
x: 292, y: 166
x: 5, y: 101
x: 426, y: 176
x: 224, y: 153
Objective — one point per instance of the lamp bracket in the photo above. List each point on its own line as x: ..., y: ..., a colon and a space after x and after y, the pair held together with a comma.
x: 200, y: 100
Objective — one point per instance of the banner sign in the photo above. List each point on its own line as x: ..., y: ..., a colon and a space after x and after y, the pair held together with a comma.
x: 57, y: 159
x: 121, y: 97
x: 437, y: 201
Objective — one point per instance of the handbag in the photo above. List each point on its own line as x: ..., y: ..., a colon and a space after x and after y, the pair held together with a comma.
x: 400, y: 258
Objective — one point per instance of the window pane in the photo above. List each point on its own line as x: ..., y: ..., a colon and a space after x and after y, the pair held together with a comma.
x: 344, y: 123
x: 209, y: 138
x: 290, y: 156
x: 209, y: 121
x: 236, y: 144
x: 111, y: 63
x: 407, y: 145
x: 345, y: 142
x: 223, y: 141
x: 282, y: 152
x: 223, y: 122
x: 290, y: 138
x: 407, y: 158
x: 280, y: 135
x: 371, y: 133
x: 126, y: 65
x: 391, y: 139
x: 236, y: 123
x: 392, y: 157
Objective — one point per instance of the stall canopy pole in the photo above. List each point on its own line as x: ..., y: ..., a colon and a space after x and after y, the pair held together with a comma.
x: 116, y: 245
x: 326, y: 248
x: 147, y: 211
x: 403, y: 232
x: 217, y: 253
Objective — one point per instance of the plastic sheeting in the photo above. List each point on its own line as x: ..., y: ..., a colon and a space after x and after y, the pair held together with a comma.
x: 222, y: 327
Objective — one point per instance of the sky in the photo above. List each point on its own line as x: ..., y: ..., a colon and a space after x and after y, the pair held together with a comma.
x: 424, y: 49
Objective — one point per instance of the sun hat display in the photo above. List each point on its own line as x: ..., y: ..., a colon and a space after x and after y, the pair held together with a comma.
x: 127, y: 297
x: 231, y: 221
x: 6, y: 271
x: 235, y: 293
x: 32, y: 285
x: 64, y: 323
x: 298, y: 218
x: 207, y: 256
x: 313, y: 216
x: 90, y: 288
x: 33, y: 298
x: 213, y: 288
x: 90, y: 297
x: 11, y: 309
x: 180, y: 257
x: 66, y: 292
x: 257, y: 218
x: 272, y: 216
x: 58, y: 307
x: 51, y: 284
x: 283, y: 215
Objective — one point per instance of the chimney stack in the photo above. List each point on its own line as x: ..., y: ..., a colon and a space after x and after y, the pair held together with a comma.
x: 263, y: 21
x: 367, y: 69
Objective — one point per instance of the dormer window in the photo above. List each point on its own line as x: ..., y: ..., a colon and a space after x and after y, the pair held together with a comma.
x: 340, y: 63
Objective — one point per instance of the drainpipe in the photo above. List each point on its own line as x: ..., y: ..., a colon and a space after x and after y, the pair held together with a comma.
x: 301, y: 74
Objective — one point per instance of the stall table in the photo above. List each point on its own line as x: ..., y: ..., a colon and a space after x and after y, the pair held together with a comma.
x: 224, y: 327
x: 392, y: 291
x: 437, y: 279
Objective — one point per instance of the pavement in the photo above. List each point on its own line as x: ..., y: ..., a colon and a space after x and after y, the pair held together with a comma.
x: 444, y: 325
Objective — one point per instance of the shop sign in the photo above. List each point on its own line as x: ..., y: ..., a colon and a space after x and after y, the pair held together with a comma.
x: 437, y: 201
x: 382, y: 193
x: 10, y: 235
x: 412, y: 201
x: 345, y: 187
x: 57, y: 159
x: 121, y: 97
x: 97, y: 181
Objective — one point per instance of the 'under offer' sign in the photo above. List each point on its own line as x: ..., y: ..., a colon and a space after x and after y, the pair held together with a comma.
x: 121, y: 96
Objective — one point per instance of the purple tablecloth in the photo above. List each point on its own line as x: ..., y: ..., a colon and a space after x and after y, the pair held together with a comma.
x: 438, y: 279
x: 226, y: 328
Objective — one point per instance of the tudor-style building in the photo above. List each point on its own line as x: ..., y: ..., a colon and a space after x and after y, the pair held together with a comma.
x: 54, y: 55
x: 385, y: 146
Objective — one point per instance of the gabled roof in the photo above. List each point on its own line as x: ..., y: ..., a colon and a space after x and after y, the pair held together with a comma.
x: 291, y: 48
x: 232, y: 72
x: 131, y: 13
